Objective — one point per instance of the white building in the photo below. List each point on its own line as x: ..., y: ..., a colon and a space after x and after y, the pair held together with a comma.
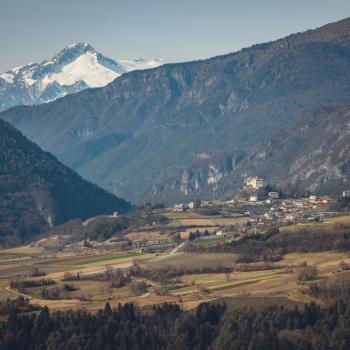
x: 195, y: 204
x: 255, y: 183
x: 179, y: 207
x: 346, y: 194
x: 274, y: 195
x: 253, y: 198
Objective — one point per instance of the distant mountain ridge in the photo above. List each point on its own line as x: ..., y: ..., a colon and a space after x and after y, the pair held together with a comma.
x: 196, y: 129
x: 37, y: 191
x: 75, y: 68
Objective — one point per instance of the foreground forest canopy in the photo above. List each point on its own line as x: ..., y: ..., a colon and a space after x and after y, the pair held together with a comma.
x: 210, y: 326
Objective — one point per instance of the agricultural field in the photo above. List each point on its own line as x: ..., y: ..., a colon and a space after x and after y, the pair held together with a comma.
x: 206, y: 221
x: 169, y: 275
x: 104, y: 258
x: 195, y: 260
x: 192, y: 289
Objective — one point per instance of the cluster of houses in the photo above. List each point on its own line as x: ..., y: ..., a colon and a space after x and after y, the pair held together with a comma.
x: 190, y: 205
x: 292, y: 211
x: 265, y: 207
x: 274, y: 209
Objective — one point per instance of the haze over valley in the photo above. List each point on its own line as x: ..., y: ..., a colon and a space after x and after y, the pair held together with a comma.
x: 228, y: 108
x: 175, y: 203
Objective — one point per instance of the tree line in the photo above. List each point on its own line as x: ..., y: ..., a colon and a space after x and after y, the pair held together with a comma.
x: 212, y: 326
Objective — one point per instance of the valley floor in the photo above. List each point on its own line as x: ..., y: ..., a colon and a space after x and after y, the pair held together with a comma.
x: 200, y: 276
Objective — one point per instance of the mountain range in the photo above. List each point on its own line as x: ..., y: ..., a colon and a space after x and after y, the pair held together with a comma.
x: 75, y: 68
x: 37, y: 191
x: 197, y: 129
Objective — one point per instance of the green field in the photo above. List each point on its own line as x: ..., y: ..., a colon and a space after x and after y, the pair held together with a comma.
x: 99, y: 259
x: 184, y: 215
x: 208, y: 241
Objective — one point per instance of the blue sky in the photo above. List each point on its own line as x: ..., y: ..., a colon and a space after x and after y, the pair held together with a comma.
x: 32, y: 30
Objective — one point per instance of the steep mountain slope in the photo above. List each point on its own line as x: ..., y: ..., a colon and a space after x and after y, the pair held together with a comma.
x: 75, y: 68
x: 36, y: 191
x: 311, y: 155
x: 146, y: 132
x: 315, y: 153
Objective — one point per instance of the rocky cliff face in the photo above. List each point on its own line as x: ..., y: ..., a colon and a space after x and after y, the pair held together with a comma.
x: 310, y: 156
x: 210, y: 176
x: 142, y: 135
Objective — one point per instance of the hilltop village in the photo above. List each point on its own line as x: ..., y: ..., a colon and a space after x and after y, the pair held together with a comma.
x: 265, y: 208
x: 259, y: 244
x: 256, y: 209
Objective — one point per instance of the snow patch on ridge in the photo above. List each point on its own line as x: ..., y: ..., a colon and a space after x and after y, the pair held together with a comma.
x: 141, y: 63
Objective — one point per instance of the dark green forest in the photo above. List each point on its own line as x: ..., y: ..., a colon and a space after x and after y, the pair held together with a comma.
x: 37, y: 191
x: 210, y: 326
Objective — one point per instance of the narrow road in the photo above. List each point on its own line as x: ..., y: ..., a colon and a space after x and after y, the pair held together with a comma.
x: 19, y: 293
x: 176, y: 249
x: 174, y: 252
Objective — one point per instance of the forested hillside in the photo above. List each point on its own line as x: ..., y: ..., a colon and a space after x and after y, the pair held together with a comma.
x: 37, y: 191
x: 164, y: 133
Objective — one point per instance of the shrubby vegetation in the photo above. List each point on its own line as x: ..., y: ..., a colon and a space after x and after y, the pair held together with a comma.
x: 273, y: 245
x: 116, y: 277
x: 36, y: 272
x: 307, y: 273
x: 330, y: 290
x: 103, y: 228
x: 138, y: 287
x: 166, y: 273
x: 26, y: 283
x: 53, y: 293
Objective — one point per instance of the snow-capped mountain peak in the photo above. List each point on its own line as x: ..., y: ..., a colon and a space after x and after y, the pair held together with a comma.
x: 77, y: 67
x: 71, y: 52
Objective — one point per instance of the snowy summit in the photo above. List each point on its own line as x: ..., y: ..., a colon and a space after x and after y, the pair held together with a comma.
x: 75, y: 68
